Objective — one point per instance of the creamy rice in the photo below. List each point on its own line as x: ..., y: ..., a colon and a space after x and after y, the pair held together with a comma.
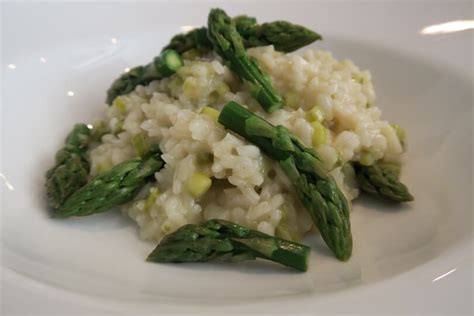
x: 247, y: 187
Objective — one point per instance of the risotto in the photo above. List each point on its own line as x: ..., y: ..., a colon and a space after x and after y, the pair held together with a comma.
x: 212, y: 173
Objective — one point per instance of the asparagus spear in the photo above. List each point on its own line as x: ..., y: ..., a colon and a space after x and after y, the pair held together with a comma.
x: 162, y: 66
x: 244, y: 23
x: 395, y: 169
x: 284, y: 36
x: 195, y: 39
x: 219, y: 240
x: 381, y: 180
x: 228, y: 43
x: 71, y: 167
x: 114, y: 187
x: 316, y: 188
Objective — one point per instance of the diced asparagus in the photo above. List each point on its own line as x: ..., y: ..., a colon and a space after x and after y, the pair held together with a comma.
x: 211, y: 112
x: 316, y: 114
x: 320, y: 134
x: 198, y: 184
x: 141, y: 144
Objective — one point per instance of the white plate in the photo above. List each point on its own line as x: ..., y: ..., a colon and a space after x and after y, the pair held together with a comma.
x: 57, y: 61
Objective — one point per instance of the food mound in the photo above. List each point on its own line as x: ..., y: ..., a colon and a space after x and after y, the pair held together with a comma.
x: 229, y: 146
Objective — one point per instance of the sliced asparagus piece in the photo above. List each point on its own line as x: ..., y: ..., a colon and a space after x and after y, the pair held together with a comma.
x: 219, y: 240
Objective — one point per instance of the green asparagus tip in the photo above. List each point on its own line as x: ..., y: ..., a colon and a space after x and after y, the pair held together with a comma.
x: 172, y: 60
x: 223, y: 241
x: 161, y: 67
x: 381, y: 180
x: 228, y: 43
x: 316, y: 188
x: 71, y: 167
x: 117, y: 186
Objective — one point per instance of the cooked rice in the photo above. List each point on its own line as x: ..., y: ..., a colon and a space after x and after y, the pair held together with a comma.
x: 247, y: 187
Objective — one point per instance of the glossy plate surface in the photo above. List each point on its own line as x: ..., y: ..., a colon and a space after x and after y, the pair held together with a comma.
x: 59, y: 59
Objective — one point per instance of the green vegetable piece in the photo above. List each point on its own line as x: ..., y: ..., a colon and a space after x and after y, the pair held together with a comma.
x: 219, y: 240
x: 316, y: 114
x: 244, y: 23
x: 194, y: 39
x: 120, y: 105
x: 98, y: 130
x: 287, y: 231
x: 152, y: 197
x: 292, y: 100
x: 366, y: 158
x: 211, y: 112
x: 204, y: 158
x: 401, y: 134
x: 71, y: 167
x: 227, y: 42
x: 162, y: 66
x: 382, y: 180
x: 198, y: 184
x: 114, y: 187
x: 141, y: 144
x: 315, y: 187
x: 320, y: 134
x: 394, y: 168
x: 284, y: 36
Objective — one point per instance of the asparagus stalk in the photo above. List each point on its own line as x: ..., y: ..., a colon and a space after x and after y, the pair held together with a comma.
x: 71, y: 167
x: 228, y: 43
x: 382, y: 180
x: 162, y: 66
x: 114, y: 187
x: 395, y: 169
x: 194, y: 39
x: 284, y: 36
x: 244, y: 23
x: 219, y: 240
x: 315, y: 187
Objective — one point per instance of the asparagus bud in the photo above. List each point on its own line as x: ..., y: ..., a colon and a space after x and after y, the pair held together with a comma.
x: 117, y: 186
x: 315, y: 187
x: 381, y: 180
x: 219, y: 240
x: 228, y: 43
x: 162, y: 66
x: 71, y: 167
x: 284, y: 36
